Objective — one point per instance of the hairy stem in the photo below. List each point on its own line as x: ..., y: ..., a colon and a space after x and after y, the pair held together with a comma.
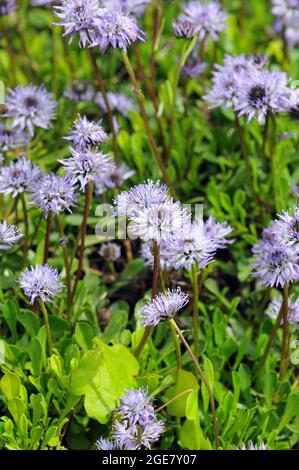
x: 203, y: 378
x: 194, y: 274
x: 26, y: 224
x: 171, y: 400
x: 47, y: 239
x: 140, y: 99
x: 47, y: 325
x: 155, y: 286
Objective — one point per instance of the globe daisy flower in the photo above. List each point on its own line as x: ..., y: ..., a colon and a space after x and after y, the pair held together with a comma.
x: 293, y: 309
x: 85, y: 133
x: 208, y: 18
x: 40, y: 282
x: 184, y: 28
x: 54, y: 194
x: 116, y: 29
x: 134, y: 7
x: 147, y: 254
x: 9, y: 235
x: 286, y: 227
x: 11, y: 138
x: 115, y: 179
x: 194, y: 66
x: 78, y: 19
x: 251, y: 446
x: 19, y: 176
x: 85, y: 166
x: 163, y: 307
x: 79, y: 91
x: 118, y: 102
x: 7, y: 7
x: 110, y: 251
x: 29, y: 107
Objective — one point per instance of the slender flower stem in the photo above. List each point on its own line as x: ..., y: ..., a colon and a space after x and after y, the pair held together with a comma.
x: 246, y: 160
x: 102, y: 88
x: 26, y: 224
x: 177, y: 346
x: 48, y: 233
x: 272, y: 337
x: 171, y: 400
x: 203, y: 378
x: 155, y: 286
x: 273, y: 142
x: 194, y: 275
x: 184, y: 56
x: 140, y: 99
x: 285, y: 333
x: 88, y: 198
x: 66, y: 265
x: 47, y: 325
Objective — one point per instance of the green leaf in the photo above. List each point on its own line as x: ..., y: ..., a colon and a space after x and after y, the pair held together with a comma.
x: 10, y: 385
x: 84, y: 335
x: 270, y: 383
x: 10, y: 310
x: 291, y: 410
x: 185, y: 381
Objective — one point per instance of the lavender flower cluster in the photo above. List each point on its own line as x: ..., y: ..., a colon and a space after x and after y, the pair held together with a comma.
x: 138, y: 426
x: 250, y: 89
x: 276, y: 260
x: 103, y: 27
x: 287, y: 19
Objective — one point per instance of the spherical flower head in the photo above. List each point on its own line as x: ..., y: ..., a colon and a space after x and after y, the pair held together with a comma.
x: 110, y: 251
x: 79, y: 91
x: 11, y: 138
x: 134, y: 7
x: 87, y: 166
x: 40, y: 282
x: 54, y: 194
x: 218, y: 231
x: 196, y: 246
x: 86, y: 133
x: 7, y: 7
x: 275, y: 305
x: 118, y: 102
x: 115, y: 179
x: 252, y: 446
x: 208, y: 18
x: 135, y: 437
x: 164, y: 221
x: 78, y: 18
x: 9, y: 235
x: 141, y: 197
x: 194, y: 66
x: 184, y: 28
x: 136, y: 407
x: 116, y: 29
x: 286, y: 228
x: 29, y: 107
x: 19, y: 176
x: 285, y: 8
x: 163, y: 307
x: 106, y: 444
x: 275, y: 264
x: 262, y: 93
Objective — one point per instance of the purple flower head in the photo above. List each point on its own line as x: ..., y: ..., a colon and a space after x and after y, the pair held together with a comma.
x: 78, y: 18
x: 19, y: 176
x: 118, y: 102
x: 134, y: 7
x: 275, y: 263
x: 106, y: 444
x: 208, y: 18
x: 11, y: 138
x: 7, y: 7
x: 85, y: 166
x: 110, y: 251
x: 141, y: 197
x: 286, y: 228
x: 86, y: 133
x: 9, y: 235
x: 147, y: 255
x: 79, y: 91
x: 115, y: 179
x: 40, y: 282
x: 261, y: 93
x: 136, y: 407
x: 218, y: 231
x: 164, y: 221
x: 116, y: 29
x: 194, y: 66
x: 136, y: 437
x: 54, y: 194
x: 195, y: 246
x: 29, y: 107
x: 293, y: 309
x: 44, y: 3
x: 163, y: 307
x: 285, y: 8
x: 184, y: 28
x: 252, y: 446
